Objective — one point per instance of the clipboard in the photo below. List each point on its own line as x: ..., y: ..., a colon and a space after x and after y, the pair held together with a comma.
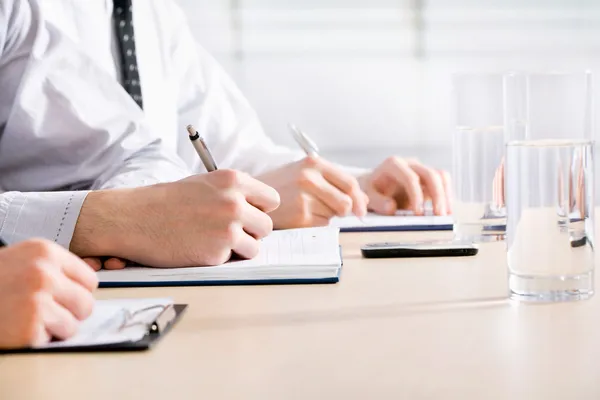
x: 162, y: 325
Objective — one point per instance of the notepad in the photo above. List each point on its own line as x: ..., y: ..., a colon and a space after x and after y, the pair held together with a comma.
x: 117, y: 322
x: 310, y: 255
x: 402, y: 221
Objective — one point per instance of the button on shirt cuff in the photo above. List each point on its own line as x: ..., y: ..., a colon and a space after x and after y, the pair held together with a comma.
x: 50, y: 215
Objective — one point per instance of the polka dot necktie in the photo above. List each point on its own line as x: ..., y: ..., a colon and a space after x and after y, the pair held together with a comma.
x: 123, y: 20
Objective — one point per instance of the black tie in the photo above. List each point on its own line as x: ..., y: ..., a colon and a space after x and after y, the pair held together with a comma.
x: 123, y: 20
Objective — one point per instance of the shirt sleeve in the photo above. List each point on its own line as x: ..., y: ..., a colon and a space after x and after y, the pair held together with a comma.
x: 150, y: 165
x: 53, y: 215
x: 48, y: 215
x: 223, y: 115
x: 55, y: 143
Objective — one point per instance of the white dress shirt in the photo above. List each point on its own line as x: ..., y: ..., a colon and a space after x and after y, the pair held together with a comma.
x: 181, y: 83
x: 68, y: 124
x: 58, y: 138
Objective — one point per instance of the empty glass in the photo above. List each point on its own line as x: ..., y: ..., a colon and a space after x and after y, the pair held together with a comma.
x: 549, y: 186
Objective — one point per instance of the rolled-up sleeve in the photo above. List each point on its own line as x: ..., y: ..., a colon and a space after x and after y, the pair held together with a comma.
x: 52, y: 216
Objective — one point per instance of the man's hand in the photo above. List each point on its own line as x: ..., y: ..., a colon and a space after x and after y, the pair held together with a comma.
x: 197, y: 221
x: 398, y: 184
x: 313, y: 191
x: 44, y: 292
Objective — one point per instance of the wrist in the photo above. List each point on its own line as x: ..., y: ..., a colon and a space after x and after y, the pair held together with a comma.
x: 101, y: 226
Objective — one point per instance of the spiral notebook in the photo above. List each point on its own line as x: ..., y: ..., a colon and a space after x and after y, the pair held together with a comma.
x: 294, y: 256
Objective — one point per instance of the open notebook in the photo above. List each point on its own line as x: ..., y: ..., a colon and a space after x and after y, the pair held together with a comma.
x: 310, y: 255
x: 402, y: 221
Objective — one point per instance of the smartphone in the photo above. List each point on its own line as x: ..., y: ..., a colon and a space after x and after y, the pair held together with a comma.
x: 419, y: 249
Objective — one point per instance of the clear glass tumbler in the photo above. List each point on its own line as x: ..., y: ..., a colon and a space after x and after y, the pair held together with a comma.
x: 549, y: 186
x: 478, y: 158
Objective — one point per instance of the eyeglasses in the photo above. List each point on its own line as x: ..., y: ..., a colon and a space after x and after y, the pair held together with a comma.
x: 163, y: 319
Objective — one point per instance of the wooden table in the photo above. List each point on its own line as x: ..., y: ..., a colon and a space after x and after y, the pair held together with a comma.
x: 391, y: 329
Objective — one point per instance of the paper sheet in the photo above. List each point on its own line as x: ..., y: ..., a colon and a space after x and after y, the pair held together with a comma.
x: 310, y: 246
x: 103, y: 326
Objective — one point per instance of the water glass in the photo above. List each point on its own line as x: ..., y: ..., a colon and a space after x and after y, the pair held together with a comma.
x: 478, y: 157
x: 549, y: 186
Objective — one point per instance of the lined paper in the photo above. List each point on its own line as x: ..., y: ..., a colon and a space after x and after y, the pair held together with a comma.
x: 309, y: 253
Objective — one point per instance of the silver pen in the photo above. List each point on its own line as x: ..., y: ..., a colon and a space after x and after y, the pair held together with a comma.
x: 305, y: 143
x: 309, y: 147
x: 202, y: 149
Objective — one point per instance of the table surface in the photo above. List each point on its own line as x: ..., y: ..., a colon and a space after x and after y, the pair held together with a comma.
x: 391, y: 329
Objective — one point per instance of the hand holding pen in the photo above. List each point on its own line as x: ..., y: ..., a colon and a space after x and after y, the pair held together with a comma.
x: 313, y: 190
x: 202, y: 149
x: 312, y: 150
x: 200, y: 220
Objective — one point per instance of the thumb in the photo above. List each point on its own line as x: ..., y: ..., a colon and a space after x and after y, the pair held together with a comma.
x: 382, y: 204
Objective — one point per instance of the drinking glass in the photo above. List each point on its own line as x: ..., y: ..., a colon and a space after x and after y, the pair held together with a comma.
x: 549, y: 186
x: 478, y: 156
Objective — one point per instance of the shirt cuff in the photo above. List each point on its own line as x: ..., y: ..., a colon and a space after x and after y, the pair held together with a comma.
x: 51, y: 215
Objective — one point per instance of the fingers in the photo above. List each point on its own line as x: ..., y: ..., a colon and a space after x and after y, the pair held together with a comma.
x: 94, y: 262
x: 260, y: 195
x: 110, y: 264
x: 345, y: 183
x: 59, y: 322
x: 316, y: 185
x: 382, y: 204
x: 40, y: 336
x: 315, y: 210
x: 68, y: 293
x: 71, y: 281
x: 408, y: 184
x: 408, y: 180
x: 73, y: 297
x: 433, y: 185
x: 245, y: 246
x: 114, y: 264
x: 51, y: 292
x: 77, y: 270
x: 255, y: 222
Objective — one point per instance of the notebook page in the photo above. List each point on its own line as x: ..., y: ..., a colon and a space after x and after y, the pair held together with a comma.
x: 102, y: 327
x: 402, y: 218
x: 308, y: 246
x: 310, y: 253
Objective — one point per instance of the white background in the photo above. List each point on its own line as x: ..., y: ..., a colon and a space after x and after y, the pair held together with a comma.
x: 368, y: 78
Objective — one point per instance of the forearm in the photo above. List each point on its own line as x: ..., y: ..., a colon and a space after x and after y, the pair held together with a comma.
x: 106, y: 216
x: 104, y: 223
